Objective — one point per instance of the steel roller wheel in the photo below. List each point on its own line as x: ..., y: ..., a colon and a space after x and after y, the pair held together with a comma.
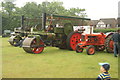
x: 73, y: 39
x: 14, y: 40
x: 32, y: 46
x: 11, y: 40
x: 109, y: 44
x: 78, y: 49
x: 90, y: 50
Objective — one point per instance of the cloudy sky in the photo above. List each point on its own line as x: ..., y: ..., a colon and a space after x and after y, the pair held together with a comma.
x: 95, y: 9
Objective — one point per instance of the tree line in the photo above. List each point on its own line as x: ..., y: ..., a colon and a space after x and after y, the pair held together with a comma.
x: 11, y: 14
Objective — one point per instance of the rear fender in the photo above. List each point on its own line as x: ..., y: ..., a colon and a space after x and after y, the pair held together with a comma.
x: 109, y: 34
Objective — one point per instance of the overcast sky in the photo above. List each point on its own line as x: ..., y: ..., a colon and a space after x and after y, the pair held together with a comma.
x: 95, y: 9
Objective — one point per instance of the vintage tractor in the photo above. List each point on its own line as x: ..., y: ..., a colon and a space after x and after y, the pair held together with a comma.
x: 95, y: 42
x: 21, y: 32
x: 91, y: 42
x: 56, y: 31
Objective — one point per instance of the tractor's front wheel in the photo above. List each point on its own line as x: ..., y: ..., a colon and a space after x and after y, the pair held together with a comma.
x: 90, y: 50
x: 79, y: 49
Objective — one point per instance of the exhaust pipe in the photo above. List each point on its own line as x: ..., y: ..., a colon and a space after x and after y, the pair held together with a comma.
x: 22, y: 22
x: 43, y: 21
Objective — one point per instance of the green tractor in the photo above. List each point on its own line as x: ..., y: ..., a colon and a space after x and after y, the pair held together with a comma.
x: 55, y: 31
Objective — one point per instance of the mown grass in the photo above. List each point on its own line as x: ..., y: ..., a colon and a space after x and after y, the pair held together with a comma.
x: 53, y: 63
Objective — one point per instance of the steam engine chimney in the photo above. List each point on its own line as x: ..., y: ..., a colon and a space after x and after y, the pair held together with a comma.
x: 43, y: 21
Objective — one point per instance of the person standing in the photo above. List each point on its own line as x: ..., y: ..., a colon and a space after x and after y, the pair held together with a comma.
x: 116, y: 40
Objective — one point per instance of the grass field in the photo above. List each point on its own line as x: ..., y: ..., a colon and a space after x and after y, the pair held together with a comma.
x: 53, y: 63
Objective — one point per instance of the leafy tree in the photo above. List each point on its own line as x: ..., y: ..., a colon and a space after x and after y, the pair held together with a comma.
x: 11, y: 15
x: 8, y: 8
x: 30, y: 10
x: 76, y: 11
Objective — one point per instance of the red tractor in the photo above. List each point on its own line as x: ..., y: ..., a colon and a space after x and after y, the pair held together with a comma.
x: 95, y: 42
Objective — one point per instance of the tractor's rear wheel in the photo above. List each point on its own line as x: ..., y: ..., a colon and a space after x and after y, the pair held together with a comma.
x: 100, y: 48
x: 14, y: 40
x: 90, y: 50
x: 109, y: 44
x: 79, y: 49
x: 32, y: 46
x: 72, y: 40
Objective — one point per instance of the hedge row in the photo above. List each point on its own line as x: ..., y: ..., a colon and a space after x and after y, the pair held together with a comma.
x: 105, y: 30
